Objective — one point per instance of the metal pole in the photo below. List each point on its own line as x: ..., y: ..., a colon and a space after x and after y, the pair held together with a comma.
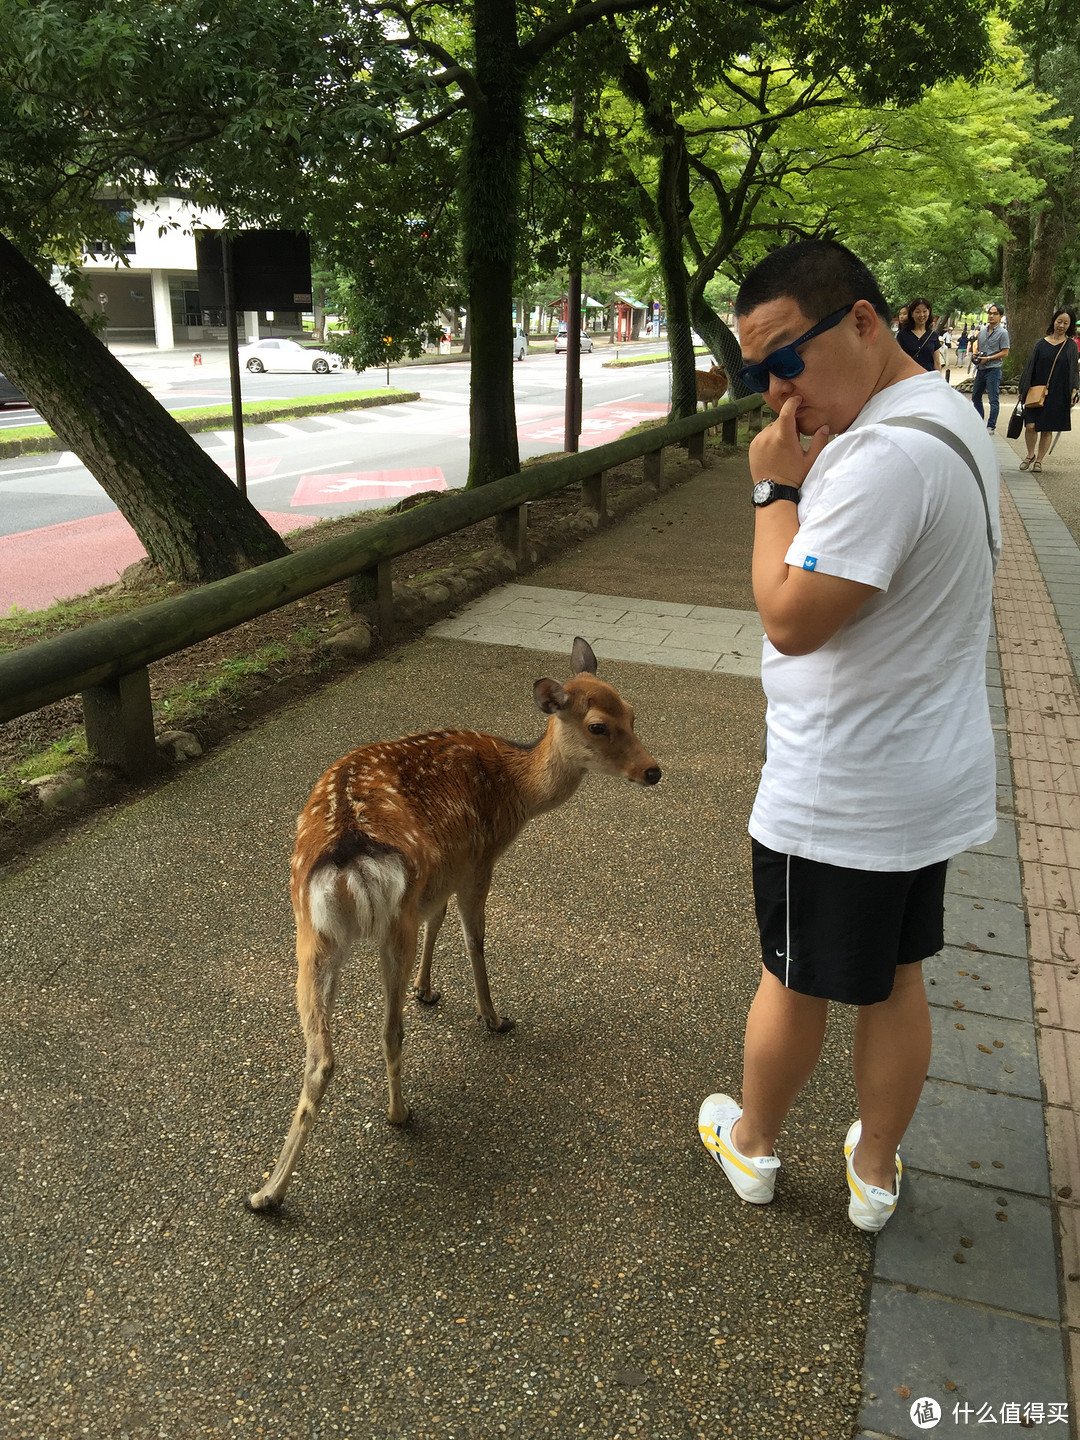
x: 572, y: 428
x: 234, y: 364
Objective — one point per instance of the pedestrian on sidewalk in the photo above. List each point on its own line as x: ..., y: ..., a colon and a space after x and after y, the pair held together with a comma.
x: 872, y: 568
x: 918, y: 338
x: 1052, y: 364
x: 962, y: 349
x: 993, y: 345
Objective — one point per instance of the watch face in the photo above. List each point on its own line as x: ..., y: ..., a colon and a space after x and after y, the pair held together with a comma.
x: 761, y: 491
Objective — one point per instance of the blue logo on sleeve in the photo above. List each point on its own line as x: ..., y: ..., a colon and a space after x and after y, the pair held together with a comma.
x: 810, y: 563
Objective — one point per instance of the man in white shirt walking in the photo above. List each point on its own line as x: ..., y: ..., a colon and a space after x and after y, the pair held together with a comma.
x: 872, y: 569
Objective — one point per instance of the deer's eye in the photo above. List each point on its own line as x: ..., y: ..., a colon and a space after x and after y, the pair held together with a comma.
x: 598, y: 729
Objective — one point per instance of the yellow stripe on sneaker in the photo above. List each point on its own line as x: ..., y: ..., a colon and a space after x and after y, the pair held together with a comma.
x: 855, y: 1189
x: 708, y: 1134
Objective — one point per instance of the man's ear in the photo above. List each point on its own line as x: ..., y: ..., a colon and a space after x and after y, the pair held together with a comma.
x: 867, y: 320
x: 550, y: 696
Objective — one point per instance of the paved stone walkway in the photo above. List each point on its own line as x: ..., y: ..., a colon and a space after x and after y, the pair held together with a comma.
x: 971, y: 1306
x: 651, y: 632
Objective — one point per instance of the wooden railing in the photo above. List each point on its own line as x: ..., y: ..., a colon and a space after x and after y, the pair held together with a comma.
x: 106, y: 662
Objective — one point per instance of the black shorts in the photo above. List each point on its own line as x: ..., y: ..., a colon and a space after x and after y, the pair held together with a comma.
x: 839, y: 934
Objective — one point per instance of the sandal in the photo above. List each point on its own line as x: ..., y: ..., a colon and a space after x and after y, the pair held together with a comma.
x: 1027, y: 462
x: 1036, y: 467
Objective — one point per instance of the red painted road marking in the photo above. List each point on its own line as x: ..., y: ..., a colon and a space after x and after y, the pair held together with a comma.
x: 598, y: 425
x: 336, y: 488
x: 57, y: 561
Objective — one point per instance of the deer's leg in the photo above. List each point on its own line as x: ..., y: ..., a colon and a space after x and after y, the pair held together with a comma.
x: 471, y: 903
x: 422, y: 984
x: 397, y: 956
x: 318, y: 964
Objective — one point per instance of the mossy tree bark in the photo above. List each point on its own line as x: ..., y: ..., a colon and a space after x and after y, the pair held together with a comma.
x: 192, y: 520
x: 1029, y: 273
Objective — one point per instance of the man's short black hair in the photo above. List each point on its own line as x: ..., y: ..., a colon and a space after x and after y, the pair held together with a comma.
x: 819, y: 275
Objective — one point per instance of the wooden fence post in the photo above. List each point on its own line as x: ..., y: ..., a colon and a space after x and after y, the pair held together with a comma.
x: 729, y: 431
x: 653, y: 468
x: 371, y: 593
x: 695, y: 447
x: 119, y: 722
x: 594, y: 495
x: 512, y: 528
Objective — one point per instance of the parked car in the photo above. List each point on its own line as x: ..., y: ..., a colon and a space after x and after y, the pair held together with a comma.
x: 10, y: 394
x: 561, y: 341
x: 521, y: 343
x: 286, y: 355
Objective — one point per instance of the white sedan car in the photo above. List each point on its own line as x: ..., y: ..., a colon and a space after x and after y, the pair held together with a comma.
x: 286, y: 355
x: 561, y: 343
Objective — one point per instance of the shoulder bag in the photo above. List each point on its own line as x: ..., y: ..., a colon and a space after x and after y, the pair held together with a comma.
x: 1036, y: 395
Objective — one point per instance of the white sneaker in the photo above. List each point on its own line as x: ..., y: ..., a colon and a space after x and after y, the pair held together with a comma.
x: 871, y: 1207
x: 753, y: 1177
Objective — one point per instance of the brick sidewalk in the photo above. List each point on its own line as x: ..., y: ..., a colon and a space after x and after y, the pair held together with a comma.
x: 1044, y: 740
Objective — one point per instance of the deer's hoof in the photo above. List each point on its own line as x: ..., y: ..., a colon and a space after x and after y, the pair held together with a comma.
x: 400, y: 1117
x: 501, y: 1026
x: 262, y: 1205
x: 431, y: 998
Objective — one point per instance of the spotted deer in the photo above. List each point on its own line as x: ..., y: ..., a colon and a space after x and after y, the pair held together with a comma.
x: 712, y: 384
x: 395, y: 828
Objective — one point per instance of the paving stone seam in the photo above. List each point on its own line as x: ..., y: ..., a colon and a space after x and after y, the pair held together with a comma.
x: 984, y: 1186
x: 979, y: 1305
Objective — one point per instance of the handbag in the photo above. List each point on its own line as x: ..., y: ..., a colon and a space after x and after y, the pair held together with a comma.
x: 1015, y: 427
x: 1036, y: 395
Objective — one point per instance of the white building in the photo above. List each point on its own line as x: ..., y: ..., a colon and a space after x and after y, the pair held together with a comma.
x: 154, y: 296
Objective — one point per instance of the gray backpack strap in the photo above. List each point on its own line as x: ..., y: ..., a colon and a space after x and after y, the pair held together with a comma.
x: 957, y: 446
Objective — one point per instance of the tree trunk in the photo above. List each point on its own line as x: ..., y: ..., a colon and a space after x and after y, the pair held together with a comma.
x: 490, y: 194
x: 1029, y: 275
x: 672, y: 207
x: 192, y: 520
x: 719, y: 338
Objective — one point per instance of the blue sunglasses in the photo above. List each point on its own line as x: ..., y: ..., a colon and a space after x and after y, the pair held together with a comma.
x: 786, y: 362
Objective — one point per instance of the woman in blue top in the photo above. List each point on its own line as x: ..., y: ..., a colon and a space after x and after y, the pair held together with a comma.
x: 917, y: 337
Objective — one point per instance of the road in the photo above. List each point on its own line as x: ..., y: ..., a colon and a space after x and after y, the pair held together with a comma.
x: 60, y: 533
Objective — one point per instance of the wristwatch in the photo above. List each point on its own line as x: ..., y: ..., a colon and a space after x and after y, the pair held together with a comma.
x: 766, y: 491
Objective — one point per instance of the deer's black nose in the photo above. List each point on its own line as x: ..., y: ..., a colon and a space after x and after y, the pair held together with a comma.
x: 652, y: 775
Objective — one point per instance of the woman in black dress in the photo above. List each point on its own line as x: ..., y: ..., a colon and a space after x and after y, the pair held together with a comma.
x: 918, y: 338
x: 1053, y: 362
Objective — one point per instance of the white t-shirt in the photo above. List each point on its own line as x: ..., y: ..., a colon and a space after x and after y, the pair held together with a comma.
x: 880, y: 751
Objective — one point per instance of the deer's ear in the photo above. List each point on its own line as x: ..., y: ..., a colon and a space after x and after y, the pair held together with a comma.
x: 550, y: 696
x: 582, y: 659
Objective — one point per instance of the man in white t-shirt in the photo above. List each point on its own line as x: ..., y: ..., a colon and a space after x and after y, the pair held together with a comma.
x: 873, y: 562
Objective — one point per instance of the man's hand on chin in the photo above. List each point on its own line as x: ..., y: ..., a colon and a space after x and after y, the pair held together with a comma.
x: 777, y: 452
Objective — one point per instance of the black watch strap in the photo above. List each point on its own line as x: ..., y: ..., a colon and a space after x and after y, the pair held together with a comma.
x: 766, y: 491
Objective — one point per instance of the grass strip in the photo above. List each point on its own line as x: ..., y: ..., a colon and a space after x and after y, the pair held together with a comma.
x: 649, y: 359
x: 33, y: 439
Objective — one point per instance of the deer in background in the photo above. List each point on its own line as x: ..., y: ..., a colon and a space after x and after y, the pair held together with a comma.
x: 395, y: 828
x: 712, y: 384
